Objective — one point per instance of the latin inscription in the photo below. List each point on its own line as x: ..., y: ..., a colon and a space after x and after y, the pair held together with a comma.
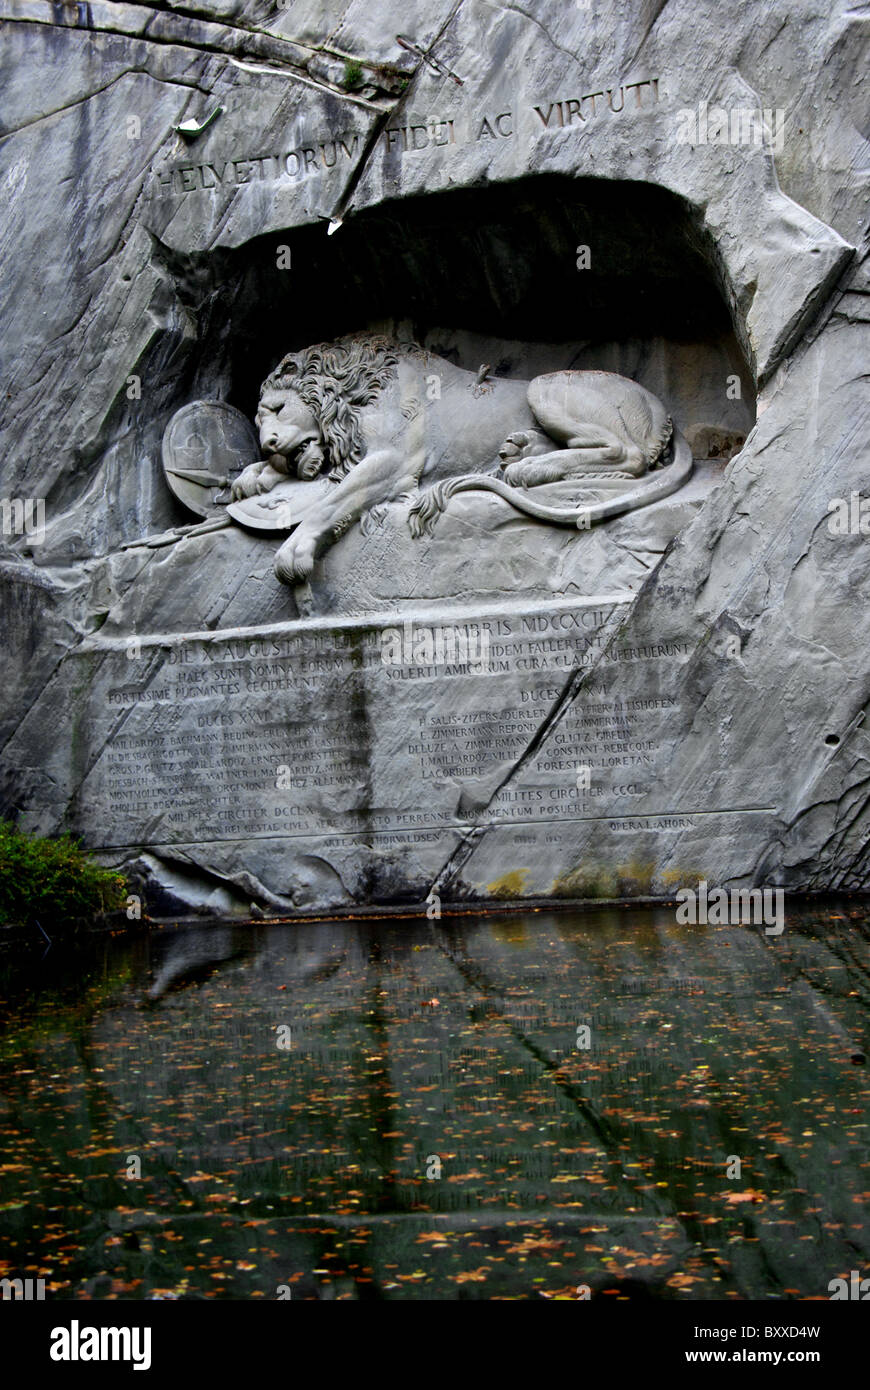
x: 310, y: 733
x: 293, y: 165
x: 323, y: 153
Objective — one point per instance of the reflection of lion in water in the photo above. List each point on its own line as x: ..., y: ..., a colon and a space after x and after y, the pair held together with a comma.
x: 380, y: 418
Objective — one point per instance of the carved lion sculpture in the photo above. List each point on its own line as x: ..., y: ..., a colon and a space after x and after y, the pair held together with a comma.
x: 379, y: 419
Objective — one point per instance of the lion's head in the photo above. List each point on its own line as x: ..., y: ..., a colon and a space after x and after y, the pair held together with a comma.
x: 316, y: 395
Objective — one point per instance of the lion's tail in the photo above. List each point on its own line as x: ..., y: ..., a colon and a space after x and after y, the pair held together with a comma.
x: 426, y: 511
x: 429, y: 506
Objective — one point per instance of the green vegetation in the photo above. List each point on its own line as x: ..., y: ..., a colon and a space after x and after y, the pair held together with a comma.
x: 353, y: 75
x: 52, y: 881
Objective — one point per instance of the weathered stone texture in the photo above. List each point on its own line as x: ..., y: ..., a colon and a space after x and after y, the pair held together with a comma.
x: 465, y: 165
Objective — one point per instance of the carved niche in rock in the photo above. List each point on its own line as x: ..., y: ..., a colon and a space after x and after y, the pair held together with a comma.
x: 348, y: 427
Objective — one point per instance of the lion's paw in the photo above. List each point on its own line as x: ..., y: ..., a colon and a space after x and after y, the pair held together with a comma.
x: 531, y: 473
x: 516, y: 473
x: 245, y: 484
x: 516, y: 446
x: 269, y: 476
x: 295, y: 559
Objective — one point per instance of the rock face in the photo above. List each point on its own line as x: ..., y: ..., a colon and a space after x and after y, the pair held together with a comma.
x: 314, y: 671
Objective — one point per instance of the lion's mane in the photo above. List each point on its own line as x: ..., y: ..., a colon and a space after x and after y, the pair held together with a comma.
x: 335, y: 380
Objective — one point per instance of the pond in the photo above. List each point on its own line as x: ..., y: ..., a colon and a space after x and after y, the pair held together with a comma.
x: 535, y: 1104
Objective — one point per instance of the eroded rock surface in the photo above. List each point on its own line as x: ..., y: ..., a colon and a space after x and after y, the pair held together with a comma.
x: 678, y: 692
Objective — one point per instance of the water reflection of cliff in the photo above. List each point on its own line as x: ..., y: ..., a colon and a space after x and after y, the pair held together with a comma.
x: 373, y: 1108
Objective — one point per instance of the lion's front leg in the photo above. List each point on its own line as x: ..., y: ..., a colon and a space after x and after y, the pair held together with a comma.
x: 380, y: 477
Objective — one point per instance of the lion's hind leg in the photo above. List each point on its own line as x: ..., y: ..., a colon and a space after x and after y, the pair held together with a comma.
x: 594, y: 442
x: 570, y: 407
